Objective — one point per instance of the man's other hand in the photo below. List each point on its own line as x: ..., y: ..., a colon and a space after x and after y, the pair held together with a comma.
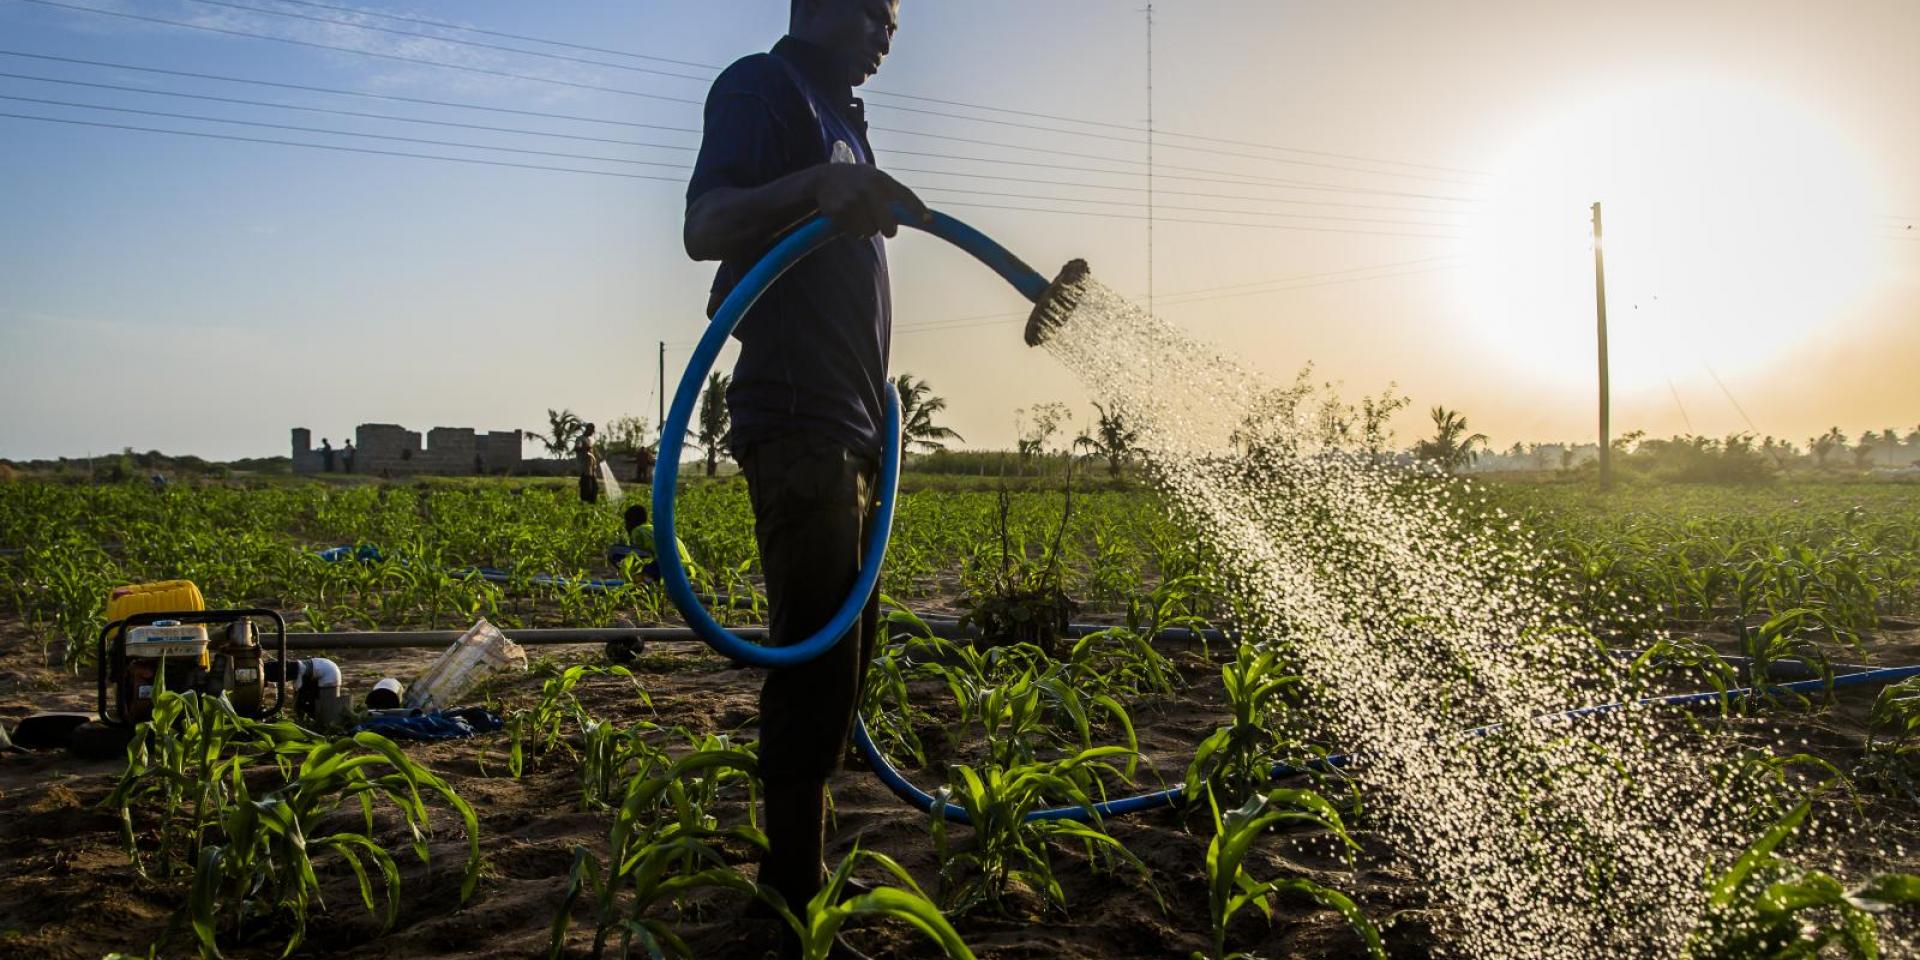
x: 860, y: 199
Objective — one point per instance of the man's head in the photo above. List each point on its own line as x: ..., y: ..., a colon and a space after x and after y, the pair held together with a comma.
x: 860, y: 32
x: 636, y: 517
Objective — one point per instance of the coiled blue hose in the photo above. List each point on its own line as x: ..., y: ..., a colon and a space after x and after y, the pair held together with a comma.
x: 795, y: 247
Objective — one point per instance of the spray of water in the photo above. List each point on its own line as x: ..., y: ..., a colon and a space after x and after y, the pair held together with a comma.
x: 1411, y: 623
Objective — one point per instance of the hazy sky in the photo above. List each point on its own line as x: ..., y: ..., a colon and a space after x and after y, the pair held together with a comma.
x: 1426, y: 222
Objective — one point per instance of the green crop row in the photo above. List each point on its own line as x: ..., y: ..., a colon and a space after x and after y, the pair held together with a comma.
x: 63, y: 547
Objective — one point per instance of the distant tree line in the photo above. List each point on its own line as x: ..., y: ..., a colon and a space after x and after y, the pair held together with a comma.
x: 1738, y: 457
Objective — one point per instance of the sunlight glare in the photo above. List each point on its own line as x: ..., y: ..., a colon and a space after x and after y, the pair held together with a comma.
x: 1738, y: 225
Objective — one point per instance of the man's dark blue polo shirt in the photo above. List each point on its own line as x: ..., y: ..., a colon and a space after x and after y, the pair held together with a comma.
x: 813, y: 351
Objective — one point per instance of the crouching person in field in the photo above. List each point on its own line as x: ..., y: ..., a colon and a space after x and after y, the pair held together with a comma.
x: 640, y: 548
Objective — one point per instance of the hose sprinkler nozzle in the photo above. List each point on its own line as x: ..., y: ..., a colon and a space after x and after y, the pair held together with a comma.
x: 1061, y: 298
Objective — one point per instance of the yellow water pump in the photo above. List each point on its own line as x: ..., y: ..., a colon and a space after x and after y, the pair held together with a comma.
x: 161, y: 635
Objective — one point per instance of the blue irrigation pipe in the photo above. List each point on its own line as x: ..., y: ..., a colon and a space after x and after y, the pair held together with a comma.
x: 803, y: 241
x: 905, y: 789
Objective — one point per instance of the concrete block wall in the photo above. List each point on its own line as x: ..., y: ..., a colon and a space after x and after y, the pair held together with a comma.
x: 449, y: 451
x: 306, y: 459
x: 498, y: 451
x: 385, y: 449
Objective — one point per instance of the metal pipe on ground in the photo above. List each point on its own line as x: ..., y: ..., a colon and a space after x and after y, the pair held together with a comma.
x: 950, y: 629
x: 548, y: 636
x: 435, y: 639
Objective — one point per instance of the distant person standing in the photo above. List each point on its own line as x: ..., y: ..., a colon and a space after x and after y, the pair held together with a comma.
x: 643, y: 466
x: 326, y: 454
x: 346, y: 456
x: 589, y: 463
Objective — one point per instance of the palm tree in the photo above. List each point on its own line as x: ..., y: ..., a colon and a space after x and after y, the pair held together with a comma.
x: 917, y: 407
x: 715, y: 426
x: 1111, y: 439
x: 1863, y: 451
x: 1824, y: 445
x: 1451, y: 447
x: 563, y: 428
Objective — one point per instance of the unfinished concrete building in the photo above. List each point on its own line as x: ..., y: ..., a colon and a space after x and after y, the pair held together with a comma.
x: 389, y: 450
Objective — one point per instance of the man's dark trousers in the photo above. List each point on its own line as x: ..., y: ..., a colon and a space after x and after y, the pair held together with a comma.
x: 812, y: 501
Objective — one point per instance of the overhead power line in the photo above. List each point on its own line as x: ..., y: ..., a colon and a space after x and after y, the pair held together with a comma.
x: 1218, y: 176
x: 335, y: 147
x: 1216, y: 152
x: 333, y: 111
x: 349, y: 133
x: 1149, y: 135
x: 335, y: 91
x: 636, y: 176
x: 1729, y: 394
x: 1248, y: 179
x: 1163, y: 206
x: 1188, y: 220
x: 1426, y: 211
x: 1299, y: 184
x: 448, y: 25
x: 678, y: 167
x: 1159, y: 135
x: 507, y: 74
x: 533, y: 78
x: 522, y: 131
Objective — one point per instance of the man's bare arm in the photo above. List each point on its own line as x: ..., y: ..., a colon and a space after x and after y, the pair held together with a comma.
x: 732, y: 222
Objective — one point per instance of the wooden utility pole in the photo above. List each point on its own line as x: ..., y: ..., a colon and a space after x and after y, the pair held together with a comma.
x: 661, y: 424
x: 1600, y: 300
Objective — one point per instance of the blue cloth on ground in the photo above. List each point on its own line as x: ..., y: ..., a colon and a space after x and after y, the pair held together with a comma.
x: 439, y: 725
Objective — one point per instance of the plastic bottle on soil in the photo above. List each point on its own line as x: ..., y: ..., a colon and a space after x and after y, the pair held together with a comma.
x: 479, y: 653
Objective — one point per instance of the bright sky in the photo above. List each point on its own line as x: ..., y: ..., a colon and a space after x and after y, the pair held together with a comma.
x: 1410, y: 181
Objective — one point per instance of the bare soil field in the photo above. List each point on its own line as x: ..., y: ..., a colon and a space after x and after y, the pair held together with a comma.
x: 67, y: 889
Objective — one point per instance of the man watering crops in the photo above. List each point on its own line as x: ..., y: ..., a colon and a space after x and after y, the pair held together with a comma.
x: 786, y: 138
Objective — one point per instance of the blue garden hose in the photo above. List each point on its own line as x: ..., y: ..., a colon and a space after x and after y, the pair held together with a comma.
x: 795, y: 247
